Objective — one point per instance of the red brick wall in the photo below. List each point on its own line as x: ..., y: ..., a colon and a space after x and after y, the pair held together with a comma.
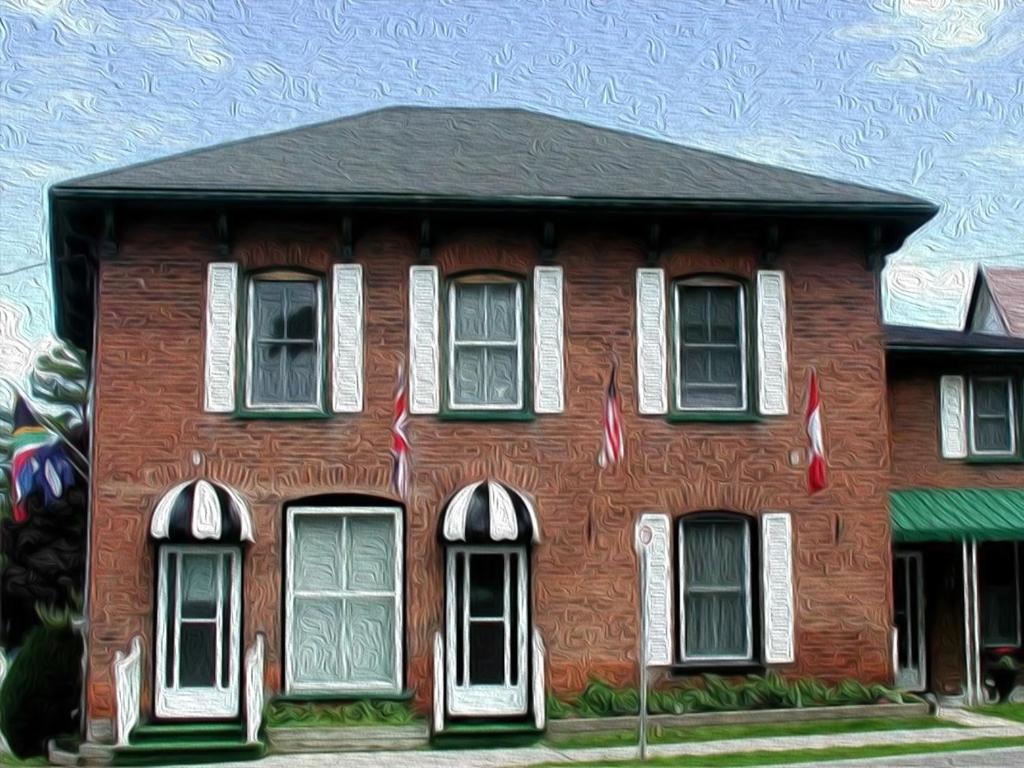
x: 149, y: 419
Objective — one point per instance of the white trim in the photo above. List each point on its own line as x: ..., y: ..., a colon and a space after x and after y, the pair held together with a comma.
x: 677, y: 351
x: 250, y: 343
x: 254, y: 688
x: 221, y: 700
x: 221, y: 337
x: 1012, y: 415
x: 746, y: 588
x: 127, y: 690
x: 424, y: 340
x: 1016, y: 595
x: 160, y: 524
x: 772, y: 345
x: 516, y: 344
x: 393, y: 686
x: 504, y: 526
x: 347, y: 338
x: 206, y: 512
x: 548, y: 340
x: 651, y: 342
x: 486, y: 700
x: 777, y: 576
x: 953, y: 417
x: 912, y: 678
x: 438, y: 692
x: 539, y: 699
x: 245, y: 526
x: 657, y: 591
x: 455, y: 513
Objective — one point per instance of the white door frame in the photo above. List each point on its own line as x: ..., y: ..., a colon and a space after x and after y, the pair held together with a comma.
x: 171, y: 700
x: 912, y: 678
x: 486, y: 700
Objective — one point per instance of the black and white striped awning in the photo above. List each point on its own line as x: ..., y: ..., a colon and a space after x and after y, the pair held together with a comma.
x: 201, y: 510
x: 489, y: 512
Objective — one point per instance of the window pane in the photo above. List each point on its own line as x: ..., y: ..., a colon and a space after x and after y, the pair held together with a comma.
x: 197, y: 667
x: 991, y: 397
x: 199, y: 577
x: 371, y: 555
x: 993, y: 434
x: 486, y: 585
x: 725, y: 326
x: 301, y: 310
x: 318, y: 552
x: 302, y: 374
x: 709, y: 348
x: 725, y: 366
x: 469, y: 376
x: 501, y: 312
x: 696, y: 364
x: 502, y: 376
x: 269, y: 310
x: 469, y: 312
x: 316, y: 640
x: 716, y: 624
x: 369, y: 639
x: 702, y: 396
x: 695, y: 315
x: 993, y: 427
x: 268, y: 373
x: 487, y: 653
x: 715, y: 554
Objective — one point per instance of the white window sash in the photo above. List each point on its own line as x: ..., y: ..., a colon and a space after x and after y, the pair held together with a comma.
x: 250, y: 345
x: 678, y: 343
x: 516, y: 344
x: 291, y: 593
x: 1012, y: 416
x: 684, y: 590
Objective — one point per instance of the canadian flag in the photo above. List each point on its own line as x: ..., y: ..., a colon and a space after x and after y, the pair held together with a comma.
x: 816, y: 469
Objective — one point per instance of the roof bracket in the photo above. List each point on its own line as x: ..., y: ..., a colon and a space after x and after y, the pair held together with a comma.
x: 425, y: 239
x: 547, y: 248
x: 770, y: 246
x: 654, y: 243
x: 875, y: 257
x: 345, y: 250
x: 108, y: 240
x: 223, y: 237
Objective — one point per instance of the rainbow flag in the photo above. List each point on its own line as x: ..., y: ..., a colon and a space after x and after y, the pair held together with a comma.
x: 39, y: 463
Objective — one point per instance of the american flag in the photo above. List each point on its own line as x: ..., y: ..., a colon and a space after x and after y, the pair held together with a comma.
x: 816, y: 479
x: 400, y: 439
x: 614, y: 447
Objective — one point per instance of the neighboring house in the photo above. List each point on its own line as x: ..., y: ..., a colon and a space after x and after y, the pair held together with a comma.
x: 247, y: 308
x: 957, y: 502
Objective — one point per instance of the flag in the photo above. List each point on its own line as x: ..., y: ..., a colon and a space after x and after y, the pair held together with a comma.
x: 614, y: 447
x: 38, y: 461
x: 816, y: 480
x: 400, y: 439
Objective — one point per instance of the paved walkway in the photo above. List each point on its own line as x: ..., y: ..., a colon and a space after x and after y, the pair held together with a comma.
x: 978, y: 726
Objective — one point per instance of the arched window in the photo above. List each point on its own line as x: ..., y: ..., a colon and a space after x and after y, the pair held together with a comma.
x: 716, y: 616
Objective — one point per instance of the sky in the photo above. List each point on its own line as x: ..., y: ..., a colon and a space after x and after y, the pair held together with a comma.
x: 924, y: 97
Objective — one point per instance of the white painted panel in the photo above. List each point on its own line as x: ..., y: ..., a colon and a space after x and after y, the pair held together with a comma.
x: 221, y: 337
x: 424, y: 340
x: 953, y: 415
x: 539, y: 697
x: 772, y: 349
x: 653, y: 538
x: 777, y: 582
x: 347, y: 338
x: 548, y: 341
x: 651, y: 341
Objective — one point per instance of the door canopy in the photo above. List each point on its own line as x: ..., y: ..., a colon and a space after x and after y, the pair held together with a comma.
x: 489, y: 512
x: 201, y: 510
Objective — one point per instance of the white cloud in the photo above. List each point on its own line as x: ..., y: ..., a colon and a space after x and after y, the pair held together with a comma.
x: 900, y: 67
x: 947, y: 24
x: 16, y: 353
x: 1007, y: 152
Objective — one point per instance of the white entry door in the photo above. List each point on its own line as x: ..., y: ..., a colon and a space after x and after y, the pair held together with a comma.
x: 198, y: 624
x: 908, y: 598
x: 486, y: 632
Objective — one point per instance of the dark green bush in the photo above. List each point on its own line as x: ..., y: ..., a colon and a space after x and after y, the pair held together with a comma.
x: 41, y: 693
x: 291, y: 714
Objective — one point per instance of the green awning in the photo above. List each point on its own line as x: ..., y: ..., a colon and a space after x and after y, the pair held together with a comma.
x: 956, y: 514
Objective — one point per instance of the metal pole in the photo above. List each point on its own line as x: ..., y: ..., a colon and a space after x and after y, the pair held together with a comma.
x: 968, y: 656
x: 643, y: 654
x: 976, y: 602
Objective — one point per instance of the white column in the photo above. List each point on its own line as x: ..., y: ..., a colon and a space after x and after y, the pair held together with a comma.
x: 972, y: 630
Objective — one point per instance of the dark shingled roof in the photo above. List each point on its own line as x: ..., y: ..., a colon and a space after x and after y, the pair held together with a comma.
x: 907, y: 338
x: 506, y: 156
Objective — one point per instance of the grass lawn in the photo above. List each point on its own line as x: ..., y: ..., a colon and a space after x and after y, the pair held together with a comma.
x: 1005, y: 711
x: 691, y: 733
x: 815, y: 756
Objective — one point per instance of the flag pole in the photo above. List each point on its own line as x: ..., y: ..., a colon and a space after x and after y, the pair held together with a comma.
x: 57, y: 432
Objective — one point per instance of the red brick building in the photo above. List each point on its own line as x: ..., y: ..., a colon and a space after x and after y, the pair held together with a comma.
x: 247, y: 309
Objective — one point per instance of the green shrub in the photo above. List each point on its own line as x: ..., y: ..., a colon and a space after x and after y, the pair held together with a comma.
x: 41, y: 693
x: 290, y: 714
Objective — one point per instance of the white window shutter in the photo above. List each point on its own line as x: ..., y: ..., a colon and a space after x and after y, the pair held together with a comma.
x: 221, y: 337
x: 653, y: 541
x: 651, y: 341
x: 548, y: 341
x: 347, y: 338
x: 772, y: 351
x: 777, y: 582
x: 953, y: 415
x: 424, y: 340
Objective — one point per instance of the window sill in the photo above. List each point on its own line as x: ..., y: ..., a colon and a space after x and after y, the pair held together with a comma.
x: 272, y: 415
x: 994, y: 460
x: 406, y: 694
x: 495, y: 415
x: 738, y: 417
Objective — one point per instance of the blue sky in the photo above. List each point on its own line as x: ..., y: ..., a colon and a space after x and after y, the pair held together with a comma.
x: 919, y: 96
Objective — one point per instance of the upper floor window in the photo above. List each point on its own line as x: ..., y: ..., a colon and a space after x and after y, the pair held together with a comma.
x: 716, y: 603
x: 710, y: 345
x: 285, y: 351
x: 992, y: 416
x: 485, y: 344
